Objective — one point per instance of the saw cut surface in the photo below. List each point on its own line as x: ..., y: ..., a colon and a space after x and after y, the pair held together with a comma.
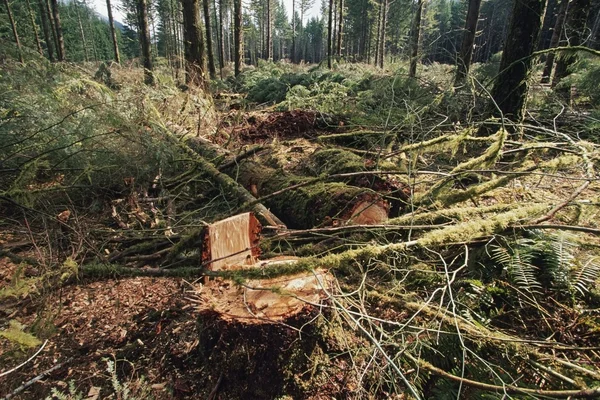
x: 264, y: 300
x: 230, y: 243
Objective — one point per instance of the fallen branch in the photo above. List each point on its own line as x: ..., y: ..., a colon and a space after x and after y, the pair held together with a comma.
x: 37, y: 378
x: 507, y: 389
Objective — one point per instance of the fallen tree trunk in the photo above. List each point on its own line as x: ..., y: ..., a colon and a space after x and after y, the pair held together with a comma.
x: 337, y: 161
x: 306, y: 206
x: 230, y: 187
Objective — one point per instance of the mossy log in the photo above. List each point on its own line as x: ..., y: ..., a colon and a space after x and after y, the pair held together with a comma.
x: 308, y: 205
x: 331, y: 161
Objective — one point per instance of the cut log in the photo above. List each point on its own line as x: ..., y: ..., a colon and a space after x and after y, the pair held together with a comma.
x: 338, y: 161
x: 232, y: 242
x: 308, y: 205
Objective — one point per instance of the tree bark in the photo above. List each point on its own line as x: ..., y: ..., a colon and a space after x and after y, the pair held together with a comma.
x: 556, y: 34
x: 416, y: 39
x: 14, y: 30
x: 52, y: 25
x: 113, y: 33
x: 378, y: 36
x: 466, y: 50
x: 47, y: 35
x: 145, y: 42
x: 193, y: 44
x: 34, y: 28
x: 82, y: 33
x: 381, y: 51
x: 340, y: 29
x: 59, y: 33
x: 330, y: 35
x: 209, y: 46
x: 220, y: 38
x: 293, y: 55
x: 574, y: 32
x: 313, y: 204
x: 511, y: 86
x: 239, y: 36
x: 269, y: 29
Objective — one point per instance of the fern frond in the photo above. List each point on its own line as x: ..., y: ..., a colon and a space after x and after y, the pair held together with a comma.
x: 586, y: 276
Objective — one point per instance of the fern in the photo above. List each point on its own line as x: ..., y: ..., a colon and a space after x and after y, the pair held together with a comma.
x: 516, y: 261
x: 585, y: 277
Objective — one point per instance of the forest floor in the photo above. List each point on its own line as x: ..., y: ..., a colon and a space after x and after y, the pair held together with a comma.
x: 476, y: 276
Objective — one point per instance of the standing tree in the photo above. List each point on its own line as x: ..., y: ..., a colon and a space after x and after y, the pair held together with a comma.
x: 416, y: 40
x: 557, y: 32
x: 340, y: 28
x: 60, y: 41
x: 269, y: 32
x: 466, y: 49
x: 511, y: 86
x: 293, y: 55
x: 238, y: 36
x: 330, y: 35
x: 381, y: 40
x: 194, y: 46
x: 144, y: 34
x: 221, y: 37
x: 209, y: 47
x: 14, y: 30
x: 113, y: 33
x: 46, y: 28
x: 34, y: 28
x: 574, y: 35
x: 81, y: 32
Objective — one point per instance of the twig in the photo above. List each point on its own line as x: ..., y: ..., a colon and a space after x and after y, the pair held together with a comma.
x: 37, y: 378
x: 562, y: 205
x: 24, y: 363
x: 213, y: 393
x: 576, y: 228
x: 507, y: 389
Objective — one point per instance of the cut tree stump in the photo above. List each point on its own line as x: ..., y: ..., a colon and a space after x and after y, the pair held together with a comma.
x: 303, y: 204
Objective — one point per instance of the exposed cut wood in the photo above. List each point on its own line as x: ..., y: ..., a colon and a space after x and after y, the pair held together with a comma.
x: 264, y: 300
x: 301, y: 203
x: 232, y: 242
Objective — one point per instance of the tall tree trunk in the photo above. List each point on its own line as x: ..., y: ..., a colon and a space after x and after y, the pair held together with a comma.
x: 47, y: 35
x: 466, y: 50
x: 381, y: 51
x: 330, y: 35
x: 52, y: 24
x: 82, y: 34
x: 556, y: 34
x: 293, y: 55
x: 113, y: 33
x: 378, y: 36
x: 416, y: 40
x: 34, y: 28
x: 209, y: 46
x: 221, y: 46
x: 193, y: 44
x: 145, y: 41
x: 511, y: 86
x: 14, y: 30
x: 269, y: 29
x: 574, y: 32
x: 340, y: 29
x: 239, y: 37
x: 59, y: 33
